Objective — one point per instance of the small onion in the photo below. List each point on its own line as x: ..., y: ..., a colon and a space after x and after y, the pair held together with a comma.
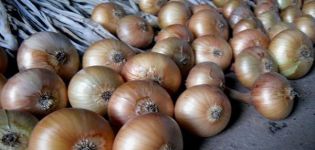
x: 51, y: 51
x: 294, y: 53
x: 276, y: 29
x: 286, y: 3
x: 153, y: 66
x: 151, y: 6
x: 206, y: 73
x: 306, y: 24
x: 135, y: 31
x: 242, y: 12
x: 72, y: 129
x: 214, y: 49
x: 245, y: 24
x: 265, y: 6
x: 108, y: 52
x: 16, y: 128
x: 203, y: 110
x: 176, y: 30
x: 290, y: 13
x: 36, y: 90
x: 151, y: 131
x: 179, y: 50
x: 309, y: 8
x: 108, y: 15
x: 173, y: 12
x: 220, y: 3
x: 3, y: 61
x: 273, y: 96
x: 269, y: 19
x: 136, y: 98
x: 251, y: 63
x: 207, y: 22
x: 230, y: 6
x: 92, y: 87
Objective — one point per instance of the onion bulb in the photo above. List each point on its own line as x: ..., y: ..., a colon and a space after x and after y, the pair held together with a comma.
x: 135, y: 31
x: 207, y: 22
x: 294, y: 53
x: 16, y: 128
x: 242, y: 12
x: 49, y: 50
x: 214, y: 49
x: 153, y: 66
x: 245, y: 24
x: 151, y: 6
x: 309, y: 8
x: 176, y: 30
x: 108, y: 15
x: 3, y: 61
x: 206, y: 73
x: 264, y: 6
x: 290, y: 13
x: 306, y: 24
x: 179, y: 50
x: 269, y: 19
x: 107, y: 52
x: 136, y: 98
x: 273, y: 96
x: 153, y: 131
x: 286, y: 3
x: 248, y: 38
x: 72, y: 129
x: 230, y: 6
x: 276, y: 29
x: 36, y: 90
x: 92, y: 87
x: 173, y: 12
x: 251, y: 63
x: 203, y: 110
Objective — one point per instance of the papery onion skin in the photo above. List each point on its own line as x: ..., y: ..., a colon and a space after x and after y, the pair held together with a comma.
x: 206, y: 73
x: 49, y: 50
x: 286, y: 3
x: 207, y: 22
x: 230, y: 6
x: 203, y: 110
x: 269, y: 19
x: 153, y: 131
x: 108, y: 15
x: 276, y: 29
x: 242, y: 12
x: 294, y: 53
x: 179, y: 50
x: 36, y: 90
x: 173, y: 12
x: 251, y: 63
x: 309, y: 8
x: 245, y: 24
x: 200, y: 7
x: 176, y: 30
x: 92, y: 87
x: 306, y: 24
x: 264, y: 6
x: 156, y: 67
x: 74, y: 129
x: 16, y: 128
x: 291, y: 13
x: 248, y: 38
x: 135, y: 31
x: 107, y: 52
x: 151, y: 6
x: 214, y: 49
x: 136, y: 98
x: 3, y: 61
x: 220, y: 3
x: 272, y: 96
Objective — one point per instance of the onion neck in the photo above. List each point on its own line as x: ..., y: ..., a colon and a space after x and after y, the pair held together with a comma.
x: 118, y: 58
x: 10, y: 139
x: 146, y: 105
x: 46, y: 102
x: 166, y: 147
x: 85, y: 144
x: 61, y: 56
x: 106, y: 95
x: 236, y: 95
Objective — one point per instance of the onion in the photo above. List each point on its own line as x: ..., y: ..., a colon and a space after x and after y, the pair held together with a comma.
x: 230, y: 6
x: 173, y: 12
x: 200, y: 7
x: 242, y: 12
x: 286, y: 3
x: 269, y: 19
x: 276, y: 29
x: 176, y: 30
x: 36, y: 90
x: 108, y: 52
x: 220, y: 3
x: 75, y: 129
x: 309, y: 8
x: 290, y: 13
x: 306, y: 24
x: 3, y: 61
x: 264, y: 6
x: 245, y: 24
x: 151, y: 6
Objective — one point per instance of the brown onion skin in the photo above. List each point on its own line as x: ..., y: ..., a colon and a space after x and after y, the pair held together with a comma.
x: 276, y: 29
x: 272, y: 96
x: 3, y: 61
x: 108, y: 15
x: 153, y: 131
x: 66, y: 128
x: 135, y: 31
x: 230, y: 6
x: 36, y: 90
x: 294, y: 53
x: 269, y: 19
x: 174, y: 12
x: 220, y: 3
x: 264, y: 6
x: 136, y: 98
x: 49, y: 50
x: 153, y: 66
x: 214, y: 49
x: 248, y: 38
x: 203, y: 110
x: 109, y: 53
x: 176, y: 30
x: 242, y: 12
x: 251, y: 63
x: 206, y: 73
x: 290, y: 13
x: 92, y: 87
x: 200, y: 7
x: 151, y: 6
x: 245, y: 24
x: 309, y: 8
x: 207, y: 22
x: 179, y: 50
x: 306, y: 24
x: 286, y: 3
